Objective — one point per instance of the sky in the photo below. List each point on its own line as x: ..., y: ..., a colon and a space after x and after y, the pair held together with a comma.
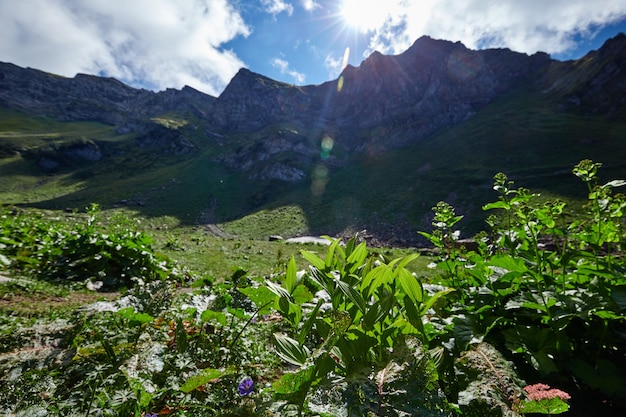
x: 159, y: 44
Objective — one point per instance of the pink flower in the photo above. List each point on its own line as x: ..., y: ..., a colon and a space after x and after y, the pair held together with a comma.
x: 538, y: 392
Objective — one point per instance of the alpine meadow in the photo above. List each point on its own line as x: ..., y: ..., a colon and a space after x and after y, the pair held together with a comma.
x: 434, y: 233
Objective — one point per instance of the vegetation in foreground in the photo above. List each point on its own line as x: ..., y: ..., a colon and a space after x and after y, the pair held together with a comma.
x: 528, y: 322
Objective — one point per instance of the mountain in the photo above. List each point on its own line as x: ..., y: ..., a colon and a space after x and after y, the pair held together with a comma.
x: 374, y: 149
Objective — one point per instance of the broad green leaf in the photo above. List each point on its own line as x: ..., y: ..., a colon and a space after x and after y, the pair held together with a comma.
x: 433, y: 239
x: 290, y: 276
x: 218, y: 316
x: 508, y: 262
x: 278, y: 290
x: 378, y: 277
x: 292, y: 312
x: 308, y: 324
x: 608, y: 315
x: 412, y: 314
x: 427, y: 305
x: 371, y: 277
x: 302, y: 295
x: 411, y: 285
x: 350, y: 246
x: 204, y: 377
x: 134, y: 318
x: 386, y: 304
x: 407, y: 260
x: 356, y: 258
x: 290, y: 350
x: 549, y: 406
x: 497, y: 205
x: 260, y: 296
x: 295, y: 383
x: 313, y: 259
x: 353, y: 295
x: 330, y: 254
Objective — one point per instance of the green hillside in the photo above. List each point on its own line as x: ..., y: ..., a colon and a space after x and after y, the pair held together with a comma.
x: 392, y: 193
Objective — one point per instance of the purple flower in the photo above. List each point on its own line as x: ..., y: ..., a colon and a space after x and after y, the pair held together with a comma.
x: 246, y: 386
x: 151, y: 415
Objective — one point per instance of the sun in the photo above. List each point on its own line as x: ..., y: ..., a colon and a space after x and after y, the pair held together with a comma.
x: 364, y: 15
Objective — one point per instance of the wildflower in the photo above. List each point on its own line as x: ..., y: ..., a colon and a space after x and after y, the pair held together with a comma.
x: 538, y: 392
x: 151, y: 415
x: 246, y: 386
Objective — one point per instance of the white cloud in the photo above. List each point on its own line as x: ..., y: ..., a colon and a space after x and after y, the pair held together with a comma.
x: 277, y: 6
x: 525, y: 26
x: 310, y: 5
x: 152, y: 43
x: 284, y: 68
x: 334, y: 66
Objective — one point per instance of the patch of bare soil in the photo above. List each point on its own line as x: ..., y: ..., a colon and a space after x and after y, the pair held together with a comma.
x: 38, y: 303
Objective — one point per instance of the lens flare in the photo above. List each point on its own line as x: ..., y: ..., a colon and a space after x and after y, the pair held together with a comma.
x: 319, y: 179
x: 327, y: 146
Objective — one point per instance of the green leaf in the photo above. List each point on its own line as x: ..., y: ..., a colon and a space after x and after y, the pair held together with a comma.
x: 411, y: 285
x: 292, y: 312
x: 290, y: 350
x: 330, y: 254
x: 412, y: 315
x: 209, y: 315
x: 308, y: 324
x: 353, y: 295
x: 278, y: 290
x: 378, y: 277
x: 549, y: 406
x: 433, y: 299
x: 407, y: 260
x: 134, y: 319
x: 356, y: 258
x: 290, y: 277
x: 497, y: 205
x: 260, y: 296
x: 313, y: 259
x: 204, y: 377
x: 295, y: 386
x: 508, y: 262
x: 301, y: 295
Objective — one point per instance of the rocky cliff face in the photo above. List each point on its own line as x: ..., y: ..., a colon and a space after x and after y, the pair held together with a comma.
x: 87, y: 97
x: 434, y: 84
x: 431, y: 85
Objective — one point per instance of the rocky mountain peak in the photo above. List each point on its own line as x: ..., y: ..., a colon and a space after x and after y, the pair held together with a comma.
x: 432, y: 85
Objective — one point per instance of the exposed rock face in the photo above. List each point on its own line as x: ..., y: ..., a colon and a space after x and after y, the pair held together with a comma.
x: 87, y: 97
x: 438, y: 81
x: 431, y: 85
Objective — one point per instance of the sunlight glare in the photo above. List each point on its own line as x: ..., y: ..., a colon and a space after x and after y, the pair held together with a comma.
x: 364, y: 15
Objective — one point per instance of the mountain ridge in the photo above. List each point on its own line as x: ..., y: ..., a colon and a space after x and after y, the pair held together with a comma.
x: 303, y: 144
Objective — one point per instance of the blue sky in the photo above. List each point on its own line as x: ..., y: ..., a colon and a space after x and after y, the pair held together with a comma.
x: 158, y: 44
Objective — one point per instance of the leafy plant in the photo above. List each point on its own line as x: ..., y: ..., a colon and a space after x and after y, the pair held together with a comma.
x: 547, y: 289
x: 363, y: 306
x: 109, y: 257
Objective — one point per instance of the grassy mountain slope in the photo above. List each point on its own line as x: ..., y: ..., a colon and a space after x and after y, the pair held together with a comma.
x: 390, y: 193
x: 521, y: 135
